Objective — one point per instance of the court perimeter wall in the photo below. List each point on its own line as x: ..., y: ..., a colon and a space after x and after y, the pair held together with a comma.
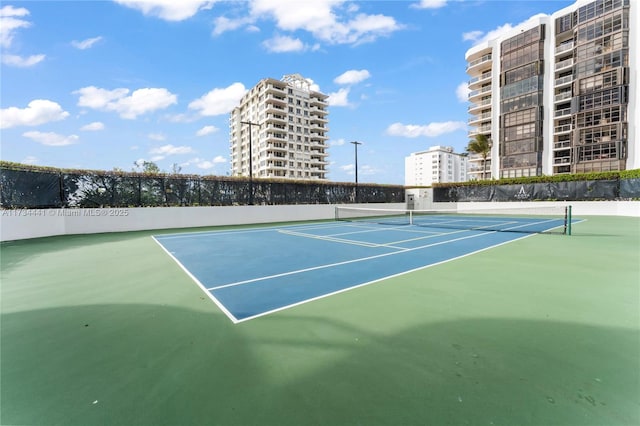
x: 33, y: 223
x: 423, y: 200
x: 21, y: 224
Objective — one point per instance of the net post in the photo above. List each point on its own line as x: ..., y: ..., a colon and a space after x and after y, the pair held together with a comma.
x: 335, y: 213
x: 569, y: 220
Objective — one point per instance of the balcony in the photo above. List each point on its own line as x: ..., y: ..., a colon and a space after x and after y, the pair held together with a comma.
x: 565, y: 128
x: 275, y: 118
x: 480, y: 79
x: 271, y: 108
x: 479, y: 92
x: 558, y: 161
x: 474, y: 119
x: 562, y: 96
x: 276, y: 136
x: 270, y: 88
x: 565, y: 112
x: 568, y: 63
x: 479, y: 105
x: 482, y: 129
x: 317, y: 102
x: 564, y: 81
x: 559, y: 145
x: 280, y: 100
x: 564, y: 47
x: 277, y: 146
x: 484, y: 60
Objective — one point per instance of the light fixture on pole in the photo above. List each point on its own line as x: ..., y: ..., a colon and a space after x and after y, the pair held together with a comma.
x: 250, y: 124
x: 355, y: 145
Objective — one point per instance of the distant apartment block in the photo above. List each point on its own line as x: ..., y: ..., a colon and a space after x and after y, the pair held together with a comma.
x: 438, y: 164
x: 559, y: 94
x: 280, y: 130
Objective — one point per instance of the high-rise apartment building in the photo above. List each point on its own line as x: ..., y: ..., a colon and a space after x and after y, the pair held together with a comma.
x: 438, y: 164
x: 279, y: 130
x: 559, y: 94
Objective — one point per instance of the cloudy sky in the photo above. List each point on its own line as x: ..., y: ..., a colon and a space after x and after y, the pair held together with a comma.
x: 108, y: 84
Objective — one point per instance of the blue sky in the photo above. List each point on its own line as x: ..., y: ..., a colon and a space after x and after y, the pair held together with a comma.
x: 106, y: 84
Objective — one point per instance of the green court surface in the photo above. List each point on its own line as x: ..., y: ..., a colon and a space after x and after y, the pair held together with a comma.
x: 107, y: 330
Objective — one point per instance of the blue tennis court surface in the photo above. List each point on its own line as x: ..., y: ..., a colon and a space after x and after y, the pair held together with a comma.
x: 253, y: 272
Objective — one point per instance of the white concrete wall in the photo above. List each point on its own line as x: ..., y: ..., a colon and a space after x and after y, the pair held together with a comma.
x: 578, y: 208
x: 423, y: 199
x: 24, y: 224
x: 34, y: 223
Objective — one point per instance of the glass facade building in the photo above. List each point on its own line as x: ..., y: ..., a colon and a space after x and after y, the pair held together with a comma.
x: 559, y: 93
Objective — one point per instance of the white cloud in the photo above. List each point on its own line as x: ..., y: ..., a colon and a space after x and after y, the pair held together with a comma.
x: 337, y: 142
x: 219, y: 101
x: 462, y: 92
x: 96, y: 98
x: 92, y: 127
x: 30, y: 160
x: 329, y: 21
x: 51, y: 139
x: 430, y: 4
x: 206, y: 164
x: 156, y: 136
x: 169, y: 10
x: 472, y: 35
x: 182, y: 118
x: 222, y: 24
x: 207, y: 130
x: 10, y: 22
x: 430, y: 130
x: 140, y: 102
x: 171, y: 150
x: 85, y: 44
x: 478, y: 37
x: 280, y: 44
x: 39, y: 111
x: 352, y: 77
x: 349, y: 169
x: 368, y: 170
x: 339, y: 98
x: 22, y: 62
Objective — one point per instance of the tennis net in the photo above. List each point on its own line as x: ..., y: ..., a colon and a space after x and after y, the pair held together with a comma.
x: 547, y: 219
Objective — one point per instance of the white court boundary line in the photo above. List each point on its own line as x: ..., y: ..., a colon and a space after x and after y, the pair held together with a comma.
x: 320, y: 225
x: 202, y: 286
x: 331, y: 265
x: 337, y: 240
x: 282, y: 308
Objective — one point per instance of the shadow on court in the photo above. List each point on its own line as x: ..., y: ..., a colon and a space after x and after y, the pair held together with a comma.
x: 161, y: 365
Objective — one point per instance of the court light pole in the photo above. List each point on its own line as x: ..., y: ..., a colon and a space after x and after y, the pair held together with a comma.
x: 250, y: 124
x: 355, y: 145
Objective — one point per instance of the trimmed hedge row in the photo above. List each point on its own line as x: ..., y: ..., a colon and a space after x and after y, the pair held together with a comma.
x: 25, y: 186
x: 624, y: 174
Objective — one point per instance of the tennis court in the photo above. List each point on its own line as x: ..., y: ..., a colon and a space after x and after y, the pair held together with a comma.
x: 107, y: 329
x: 252, y: 272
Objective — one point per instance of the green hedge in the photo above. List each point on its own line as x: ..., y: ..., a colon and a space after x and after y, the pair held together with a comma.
x: 625, y: 174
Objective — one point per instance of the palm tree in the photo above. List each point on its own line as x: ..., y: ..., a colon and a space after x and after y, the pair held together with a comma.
x: 481, y: 145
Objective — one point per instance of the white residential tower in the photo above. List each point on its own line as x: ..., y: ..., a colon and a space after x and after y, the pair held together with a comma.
x: 438, y: 164
x: 280, y: 130
x: 559, y: 93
